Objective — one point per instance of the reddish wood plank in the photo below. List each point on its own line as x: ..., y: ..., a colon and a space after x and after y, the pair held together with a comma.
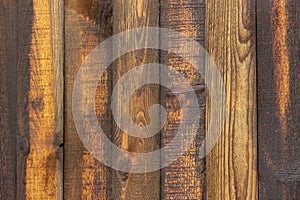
x: 185, y: 178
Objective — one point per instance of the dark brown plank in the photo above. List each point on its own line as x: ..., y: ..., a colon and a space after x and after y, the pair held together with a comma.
x: 278, y: 39
x: 130, y: 14
x: 8, y: 102
x: 185, y: 178
x: 87, y: 23
x: 230, y: 41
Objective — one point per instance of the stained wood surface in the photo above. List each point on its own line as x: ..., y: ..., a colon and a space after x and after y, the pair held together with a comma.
x: 278, y: 42
x: 185, y: 178
x: 130, y: 14
x: 230, y: 41
x: 44, y: 162
x: 87, y: 23
x: 31, y: 129
x: 42, y: 46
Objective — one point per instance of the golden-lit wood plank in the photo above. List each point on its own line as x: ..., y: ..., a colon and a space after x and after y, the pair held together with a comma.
x: 44, y: 163
x: 230, y: 41
x: 31, y: 57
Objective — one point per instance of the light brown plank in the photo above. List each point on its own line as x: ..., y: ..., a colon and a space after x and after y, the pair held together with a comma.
x: 87, y: 23
x: 130, y: 14
x: 44, y: 163
x: 185, y: 178
x: 230, y: 41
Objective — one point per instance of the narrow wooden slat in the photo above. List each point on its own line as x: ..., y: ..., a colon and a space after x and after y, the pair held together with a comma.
x: 44, y: 163
x: 185, y: 178
x: 87, y: 23
x: 130, y: 14
x: 278, y: 39
x: 230, y: 41
x: 8, y: 101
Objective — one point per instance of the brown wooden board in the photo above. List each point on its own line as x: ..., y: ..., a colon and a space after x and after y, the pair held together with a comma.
x: 31, y: 131
x: 130, y: 14
x: 87, y: 23
x: 230, y: 41
x: 278, y: 58
x: 185, y: 178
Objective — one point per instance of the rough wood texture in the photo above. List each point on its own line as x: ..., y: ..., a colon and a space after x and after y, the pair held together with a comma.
x: 185, y: 178
x: 278, y: 40
x: 87, y: 23
x: 230, y: 41
x: 32, y: 63
x: 44, y: 163
x: 130, y: 14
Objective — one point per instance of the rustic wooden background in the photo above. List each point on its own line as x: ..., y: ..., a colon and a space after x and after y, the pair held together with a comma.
x: 256, y: 45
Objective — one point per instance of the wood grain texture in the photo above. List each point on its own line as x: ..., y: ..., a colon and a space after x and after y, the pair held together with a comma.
x: 33, y: 156
x: 278, y: 42
x: 185, y: 178
x: 44, y: 163
x: 130, y: 14
x: 230, y: 41
x: 87, y: 23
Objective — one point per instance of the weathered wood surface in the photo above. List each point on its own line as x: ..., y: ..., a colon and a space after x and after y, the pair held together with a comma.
x: 185, y: 178
x: 42, y: 46
x: 31, y: 130
x: 130, y: 14
x: 278, y: 43
x: 230, y: 41
x: 87, y: 23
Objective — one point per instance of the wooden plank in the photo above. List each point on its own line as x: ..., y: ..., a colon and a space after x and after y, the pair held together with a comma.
x: 130, y: 14
x: 230, y: 41
x: 44, y: 163
x: 185, y: 178
x: 278, y: 39
x: 8, y: 101
x: 87, y: 23
x: 33, y: 133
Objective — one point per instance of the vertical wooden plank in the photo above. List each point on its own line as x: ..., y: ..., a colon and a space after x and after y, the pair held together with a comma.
x: 278, y: 39
x: 8, y: 101
x: 130, y: 14
x: 44, y: 163
x: 230, y: 41
x: 185, y: 178
x: 87, y: 23
x: 32, y: 130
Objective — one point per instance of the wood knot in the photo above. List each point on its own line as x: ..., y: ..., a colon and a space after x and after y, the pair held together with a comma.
x: 124, y: 165
x: 37, y: 103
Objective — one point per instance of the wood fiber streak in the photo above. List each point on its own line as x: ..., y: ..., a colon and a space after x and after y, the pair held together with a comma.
x: 230, y: 41
x: 87, y: 24
x: 130, y: 14
x: 278, y: 39
x: 185, y: 178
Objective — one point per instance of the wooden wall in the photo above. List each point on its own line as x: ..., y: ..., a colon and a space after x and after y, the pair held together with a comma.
x: 254, y: 43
